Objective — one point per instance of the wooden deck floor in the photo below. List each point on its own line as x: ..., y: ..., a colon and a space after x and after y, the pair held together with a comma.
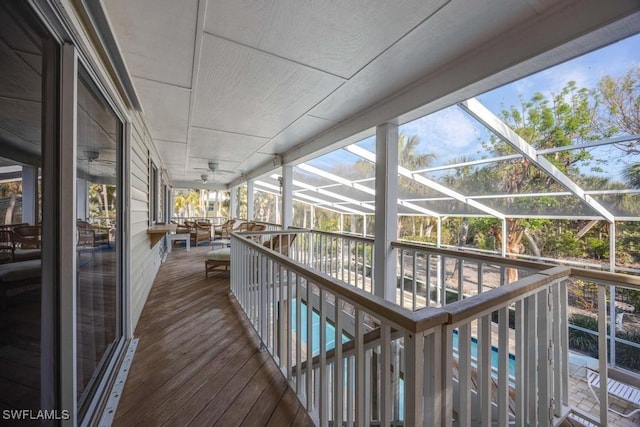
x: 197, y: 361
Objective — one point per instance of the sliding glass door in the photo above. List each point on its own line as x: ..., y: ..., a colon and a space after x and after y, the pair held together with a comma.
x: 28, y: 352
x: 99, y: 328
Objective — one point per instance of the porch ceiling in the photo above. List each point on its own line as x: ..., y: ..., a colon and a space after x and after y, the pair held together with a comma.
x: 239, y: 82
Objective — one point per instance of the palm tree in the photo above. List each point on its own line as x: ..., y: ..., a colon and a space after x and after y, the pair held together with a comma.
x: 631, y: 174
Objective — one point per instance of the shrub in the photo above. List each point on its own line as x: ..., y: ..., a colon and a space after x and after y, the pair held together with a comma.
x: 626, y: 355
x: 582, y: 341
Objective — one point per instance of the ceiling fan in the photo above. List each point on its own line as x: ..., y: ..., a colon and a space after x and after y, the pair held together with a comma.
x: 93, y: 156
x: 214, y: 168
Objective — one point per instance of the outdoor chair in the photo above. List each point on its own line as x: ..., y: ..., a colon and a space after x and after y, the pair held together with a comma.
x: 197, y: 233
x: 617, y: 389
x: 27, y: 236
x: 10, y: 252
x: 90, y: 235
x: 222, y: 257
x: 219, y: 230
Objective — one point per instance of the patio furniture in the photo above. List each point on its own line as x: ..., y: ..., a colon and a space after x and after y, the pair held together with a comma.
x: 222, y: 257
x: 280, y: 243
x: 90, y: 235
x: 217, y: 258
x: 172, y: 238
x: 617, y: 389
x: 18, y: 277
x: 219, y: 230
x: 10, y: 252
x: 198, y: 233
x: 27, y: 236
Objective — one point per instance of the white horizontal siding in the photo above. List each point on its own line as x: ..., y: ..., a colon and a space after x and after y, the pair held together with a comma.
x: 145, y: 260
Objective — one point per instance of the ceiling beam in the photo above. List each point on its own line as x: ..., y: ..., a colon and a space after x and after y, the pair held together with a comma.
x: 508, y: 135
x: 368, y: 155
x: 363, y: 188
x: 273, y: 189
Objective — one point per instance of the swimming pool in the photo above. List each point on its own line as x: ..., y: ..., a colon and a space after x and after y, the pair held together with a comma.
x: 494, y: 355
x: 315, y: 328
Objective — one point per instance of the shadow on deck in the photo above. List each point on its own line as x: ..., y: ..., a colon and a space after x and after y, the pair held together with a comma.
x: 197, y: 361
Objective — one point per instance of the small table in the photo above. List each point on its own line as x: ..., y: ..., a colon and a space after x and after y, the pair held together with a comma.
x: 182, y: 236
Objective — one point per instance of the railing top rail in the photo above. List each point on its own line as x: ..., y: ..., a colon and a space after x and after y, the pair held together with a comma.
x: 354, y: 237
x: 395, y: 314
x: 607, y: 278
x: 490, y: 259
x: 489, y: 301
x: 267, y: 232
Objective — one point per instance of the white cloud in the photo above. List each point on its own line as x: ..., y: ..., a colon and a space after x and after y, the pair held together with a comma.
x: 448, y: 133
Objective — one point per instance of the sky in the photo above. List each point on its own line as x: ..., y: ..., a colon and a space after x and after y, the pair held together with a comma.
x: 451, y: 133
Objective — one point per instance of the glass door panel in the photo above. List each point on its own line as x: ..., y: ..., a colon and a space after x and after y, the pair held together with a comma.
x: 98, y: 244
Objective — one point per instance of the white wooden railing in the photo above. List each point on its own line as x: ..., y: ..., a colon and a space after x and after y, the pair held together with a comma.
x: 426, y: 360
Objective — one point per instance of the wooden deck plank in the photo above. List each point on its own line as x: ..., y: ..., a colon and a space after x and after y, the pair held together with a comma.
x: 198, y: 361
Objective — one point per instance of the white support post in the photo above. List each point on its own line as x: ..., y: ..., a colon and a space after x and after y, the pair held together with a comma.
x: 172, y: 203
x: 612, y: 246
x: 312, y: 220
x: 250, y: 201
x: 341, y: 223
x: 364, y: 226
x: 287, y: 196
x: 30, y: 194
x: 233, y: 202
x: 386, y: 225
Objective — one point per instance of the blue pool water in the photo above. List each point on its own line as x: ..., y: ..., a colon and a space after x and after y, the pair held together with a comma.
x: 331, y: 332
x: 315, y: 329
x: 494, y: 354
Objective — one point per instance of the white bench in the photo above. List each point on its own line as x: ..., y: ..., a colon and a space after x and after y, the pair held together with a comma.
x: 175, y: 237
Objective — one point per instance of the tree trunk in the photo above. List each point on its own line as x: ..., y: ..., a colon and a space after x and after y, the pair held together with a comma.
x: 105, y: 200
x: 8, y: 216
x: 532, y: 242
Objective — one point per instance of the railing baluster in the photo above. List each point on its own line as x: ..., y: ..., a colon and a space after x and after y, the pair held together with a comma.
x: 360, y: 371
x: 520, y: 381
x: 323, y: 395
x: 298, y: 336
x: 484, y: 369
x: 543, y: 357
x: 532, y: 377
x: 464, y: 374
x: 401, y: 277
x: 351, y: 395
x: 338, y: 369
x: 413, y: 378
x: 413, y: 281
x: 564, y: 339
x: 385, y: 375
x: 356, y: 264
x: 309, y: 351
x: 503, y: 366
x: 289, y: 329
x: 460, y: 279
x: 602, y: 355
x: 428, y: 286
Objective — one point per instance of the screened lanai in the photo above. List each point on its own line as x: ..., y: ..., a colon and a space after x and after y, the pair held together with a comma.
x: 482, y: 174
